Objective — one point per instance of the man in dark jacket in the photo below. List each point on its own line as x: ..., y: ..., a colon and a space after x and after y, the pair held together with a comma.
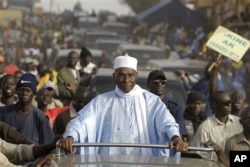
x: 194, y: 114
x: 24, y: 117
x: 157, y: 82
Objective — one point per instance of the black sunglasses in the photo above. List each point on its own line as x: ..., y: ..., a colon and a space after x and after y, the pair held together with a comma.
x: 157, y: 81
x: 225, y: 103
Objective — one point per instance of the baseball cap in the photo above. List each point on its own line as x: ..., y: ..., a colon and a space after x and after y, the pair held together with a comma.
x: 50, y: 84
x: 156, y: 74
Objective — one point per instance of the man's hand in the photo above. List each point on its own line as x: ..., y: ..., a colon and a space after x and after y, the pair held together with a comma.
x: 219, y: 152
x: 178, y: 144
x: 215, y: 146
x: 44, y: 161
x: 66, y: 144
x: 94, y: 71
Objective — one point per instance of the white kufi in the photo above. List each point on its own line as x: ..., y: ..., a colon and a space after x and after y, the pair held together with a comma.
x: 125, y: 61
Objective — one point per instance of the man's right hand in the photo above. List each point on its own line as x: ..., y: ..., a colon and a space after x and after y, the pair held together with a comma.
x: 66, y: 144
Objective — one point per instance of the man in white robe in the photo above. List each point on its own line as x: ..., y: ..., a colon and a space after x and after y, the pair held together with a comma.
x: 129, y: 114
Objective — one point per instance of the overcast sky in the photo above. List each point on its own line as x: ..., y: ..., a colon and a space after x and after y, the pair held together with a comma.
x: 88, y: 5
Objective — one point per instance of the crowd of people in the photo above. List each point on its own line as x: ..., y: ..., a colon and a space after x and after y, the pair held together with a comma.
x: 39, y: 101
x: 129, y: 114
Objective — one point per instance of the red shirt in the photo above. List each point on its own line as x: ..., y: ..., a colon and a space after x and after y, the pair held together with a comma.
x: 53, y: 113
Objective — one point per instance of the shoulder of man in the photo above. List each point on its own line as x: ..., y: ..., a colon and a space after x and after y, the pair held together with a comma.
x: 169, y: 102
x: 7, y: 108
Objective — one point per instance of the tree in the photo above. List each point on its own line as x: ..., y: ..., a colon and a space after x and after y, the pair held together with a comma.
x: 140, y: 5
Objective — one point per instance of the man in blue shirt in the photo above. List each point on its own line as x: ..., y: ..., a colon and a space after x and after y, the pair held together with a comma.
x: 157, y: 84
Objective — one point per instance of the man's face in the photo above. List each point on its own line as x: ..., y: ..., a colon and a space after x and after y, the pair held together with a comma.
x: 85, y: 61
x: 245, y: 120
x: 237, y: 100
x: 195, y: 107
x: 43, y: 97
x: 80, y: 100
x: 223, y: 104
x: 25, y: 95
x: 125, y: 78
x: 157, y: 86
x: 72, y: 60
x: 9, y: 87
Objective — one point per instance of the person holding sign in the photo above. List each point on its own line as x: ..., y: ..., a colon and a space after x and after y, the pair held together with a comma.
x: 203, y: 84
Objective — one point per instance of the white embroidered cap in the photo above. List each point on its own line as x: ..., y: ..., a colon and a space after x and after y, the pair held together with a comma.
x: 125, y: 61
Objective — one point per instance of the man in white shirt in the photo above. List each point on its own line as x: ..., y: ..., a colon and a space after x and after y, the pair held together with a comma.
x: 129, y: 114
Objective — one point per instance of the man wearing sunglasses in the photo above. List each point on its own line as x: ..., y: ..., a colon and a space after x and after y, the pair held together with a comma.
x: 157, y: 84
x: 221, y: 125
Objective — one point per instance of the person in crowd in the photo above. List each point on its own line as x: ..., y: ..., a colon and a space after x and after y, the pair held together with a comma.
x: 193, y: 113
x: 43, y: 98
x: 78, y: 102
x: 203, y: 84
x: 10, y: 66
x: 18, y: 75
x: 241, y: 79
x: 237, y: 97
x: 240, y: 141
x: 30, y: 66
x: 23, y: 116
x: 157, y: 84
x: 17, y: 154
x: 54, y: 101
x: 222, y: 125
x: 11, y: 135
x: 44, y: 75
x: 238, y: 102
x: 87, y: 68
x: 8, y: 89
x: 129, y: 114
x: 68, y: 79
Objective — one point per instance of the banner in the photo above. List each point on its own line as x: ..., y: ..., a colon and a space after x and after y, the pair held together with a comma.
x: 228, y: 43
